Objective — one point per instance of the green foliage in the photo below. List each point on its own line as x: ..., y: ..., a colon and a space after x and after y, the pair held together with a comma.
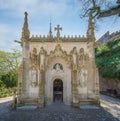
x: 9, y: 63
x: 108, y: 59
x: 4, y: 92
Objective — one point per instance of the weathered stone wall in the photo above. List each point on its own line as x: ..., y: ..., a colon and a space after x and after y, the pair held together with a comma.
x: 109, y: 84
x: 107, y: 37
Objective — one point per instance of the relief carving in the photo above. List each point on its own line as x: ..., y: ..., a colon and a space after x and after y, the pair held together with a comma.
x: 58, y: 52
x: 34, y: 57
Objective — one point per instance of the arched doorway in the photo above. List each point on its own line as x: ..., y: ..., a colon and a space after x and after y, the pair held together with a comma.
x: 58, y: 90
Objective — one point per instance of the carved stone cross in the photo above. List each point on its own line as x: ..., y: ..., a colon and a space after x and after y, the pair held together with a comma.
x: 58, y: 28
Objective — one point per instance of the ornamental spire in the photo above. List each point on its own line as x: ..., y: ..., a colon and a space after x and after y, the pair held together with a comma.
x: 90, y: 31
x: 50, y: 31
x: 25, y: 30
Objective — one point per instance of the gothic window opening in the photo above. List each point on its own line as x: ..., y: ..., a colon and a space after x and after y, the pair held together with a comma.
x: 58, y: 66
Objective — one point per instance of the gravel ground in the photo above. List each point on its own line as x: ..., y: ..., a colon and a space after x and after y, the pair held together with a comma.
x: 110, y: 111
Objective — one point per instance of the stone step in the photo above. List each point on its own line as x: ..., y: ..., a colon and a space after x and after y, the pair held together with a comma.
x: 89, y: 107
x: 27, y: 107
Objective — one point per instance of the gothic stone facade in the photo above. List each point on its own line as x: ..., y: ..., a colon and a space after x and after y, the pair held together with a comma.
x: 58, y: 68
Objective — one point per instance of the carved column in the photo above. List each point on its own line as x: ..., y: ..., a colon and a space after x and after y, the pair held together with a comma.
x: 20, y: 82
x: 25, y: 68
x: 97, y: 84
x: 75, y: 100
x: 41, y: 98
x: 75, y: 96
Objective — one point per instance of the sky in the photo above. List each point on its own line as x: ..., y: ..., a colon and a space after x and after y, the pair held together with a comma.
x: 66, y: 13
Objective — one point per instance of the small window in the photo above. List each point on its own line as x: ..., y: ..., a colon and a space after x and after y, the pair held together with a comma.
x: 58, y: 66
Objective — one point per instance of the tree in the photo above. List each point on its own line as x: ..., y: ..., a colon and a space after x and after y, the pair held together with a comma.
x: 108, y: 59
x: 9, y: 64
x: 100, y: 8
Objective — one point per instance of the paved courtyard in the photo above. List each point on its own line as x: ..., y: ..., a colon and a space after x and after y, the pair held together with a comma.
x: 110, y: 111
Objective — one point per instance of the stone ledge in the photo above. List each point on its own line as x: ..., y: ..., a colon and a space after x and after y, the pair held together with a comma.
x: 27, y: 107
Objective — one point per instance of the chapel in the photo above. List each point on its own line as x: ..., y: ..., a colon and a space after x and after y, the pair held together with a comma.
x: 58, y: 68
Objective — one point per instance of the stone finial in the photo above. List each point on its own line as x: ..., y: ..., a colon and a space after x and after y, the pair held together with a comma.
x: 50, y: 31
x: 90, y: 31
x: 25, y: 30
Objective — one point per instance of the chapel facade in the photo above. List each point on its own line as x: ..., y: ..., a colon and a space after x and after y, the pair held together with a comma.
x: 58, y: 69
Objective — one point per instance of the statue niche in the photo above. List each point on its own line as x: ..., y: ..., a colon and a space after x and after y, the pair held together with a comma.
x: 82, y: 77
x: 34, y: 79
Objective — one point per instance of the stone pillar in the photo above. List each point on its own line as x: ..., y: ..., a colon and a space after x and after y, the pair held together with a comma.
x: 97, y: 84
x: 75, y: 96
x: 41, y: 99
x: 25, y: 68
x: 20, y: 82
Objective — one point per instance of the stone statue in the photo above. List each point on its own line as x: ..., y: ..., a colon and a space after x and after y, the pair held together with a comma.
x: 74, y: 55
x: 82, y: 77
x: 34, y: 77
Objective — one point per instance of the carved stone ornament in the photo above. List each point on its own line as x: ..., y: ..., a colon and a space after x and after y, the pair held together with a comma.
x: 58, y: 68
x: 58, y: 52
x: 34, y: 57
